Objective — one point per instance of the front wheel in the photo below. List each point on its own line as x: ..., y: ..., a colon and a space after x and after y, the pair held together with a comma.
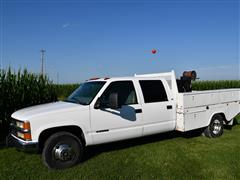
x: 215, y: 128
x: 62, y: 150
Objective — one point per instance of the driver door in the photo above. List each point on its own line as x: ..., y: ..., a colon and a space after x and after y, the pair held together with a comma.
x: 117, y: 124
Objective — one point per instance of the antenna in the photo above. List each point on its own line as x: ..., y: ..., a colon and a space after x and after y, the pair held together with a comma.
x: 42, y: 60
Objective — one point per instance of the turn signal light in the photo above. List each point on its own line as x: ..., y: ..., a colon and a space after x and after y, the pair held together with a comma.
x: 26, y: 125
x: 27, y: 136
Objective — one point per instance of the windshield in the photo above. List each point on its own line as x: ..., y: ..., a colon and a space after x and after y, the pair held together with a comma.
x: 86, y: 92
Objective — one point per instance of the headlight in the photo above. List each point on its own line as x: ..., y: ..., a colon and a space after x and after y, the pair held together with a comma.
x: 21, y: 135
x: 25, y: 126
x: 19, y: 124
x: 25, y: 136
x: 24, y: 130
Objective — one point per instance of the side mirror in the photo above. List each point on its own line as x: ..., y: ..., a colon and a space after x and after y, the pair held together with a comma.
x: 113, y: 101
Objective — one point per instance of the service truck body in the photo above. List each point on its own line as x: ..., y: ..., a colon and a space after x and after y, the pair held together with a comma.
x: 139, y: 115
x: 195, y: 109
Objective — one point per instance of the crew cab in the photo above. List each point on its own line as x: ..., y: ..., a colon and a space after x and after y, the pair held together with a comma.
x: 104, y: 110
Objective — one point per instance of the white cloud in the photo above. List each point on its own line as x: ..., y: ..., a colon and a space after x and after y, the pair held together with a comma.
x: 66, y: 25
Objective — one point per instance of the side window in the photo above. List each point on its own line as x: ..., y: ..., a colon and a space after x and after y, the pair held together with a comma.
x: 153, y: 91
x: 125, y: 90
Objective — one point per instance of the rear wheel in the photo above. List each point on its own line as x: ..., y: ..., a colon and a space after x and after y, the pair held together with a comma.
x: 62, y: 150
x: 215, y: 128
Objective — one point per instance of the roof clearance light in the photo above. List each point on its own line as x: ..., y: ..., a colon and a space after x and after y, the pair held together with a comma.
x: 95, y: 78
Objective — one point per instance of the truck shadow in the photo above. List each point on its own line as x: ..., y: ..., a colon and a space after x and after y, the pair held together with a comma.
x: 92, y: 151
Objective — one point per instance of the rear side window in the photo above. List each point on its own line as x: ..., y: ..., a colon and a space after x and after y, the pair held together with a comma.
x: 153, y: 91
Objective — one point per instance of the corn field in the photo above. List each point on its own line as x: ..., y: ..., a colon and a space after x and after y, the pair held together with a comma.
x: 210, y: 85
x: 64, y: 90
x: 22, y: 89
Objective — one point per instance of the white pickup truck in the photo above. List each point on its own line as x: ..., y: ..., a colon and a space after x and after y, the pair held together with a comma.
x: 104, y: 110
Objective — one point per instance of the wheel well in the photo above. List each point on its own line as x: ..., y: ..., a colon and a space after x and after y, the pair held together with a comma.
x: 77, y: 131
x: 223, y: 116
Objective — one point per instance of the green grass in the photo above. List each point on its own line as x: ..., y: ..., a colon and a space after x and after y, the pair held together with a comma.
x: 165, y: 156
x: 237, y: 119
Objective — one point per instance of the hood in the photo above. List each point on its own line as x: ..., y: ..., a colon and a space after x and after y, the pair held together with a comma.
x: 44, y: 109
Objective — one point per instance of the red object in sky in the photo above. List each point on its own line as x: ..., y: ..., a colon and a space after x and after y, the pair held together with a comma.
x: 154, y: 51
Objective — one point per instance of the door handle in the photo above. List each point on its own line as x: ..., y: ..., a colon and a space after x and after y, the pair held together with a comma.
x: 138, y: 110
x: 169, y: 106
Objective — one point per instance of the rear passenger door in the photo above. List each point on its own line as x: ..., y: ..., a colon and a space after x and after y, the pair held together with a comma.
x: 158, y: 107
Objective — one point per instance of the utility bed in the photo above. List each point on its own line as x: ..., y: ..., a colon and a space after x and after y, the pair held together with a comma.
x: 195, y: 108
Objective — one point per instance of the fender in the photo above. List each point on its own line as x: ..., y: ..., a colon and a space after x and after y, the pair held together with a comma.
x: 217, y: 112
x: 87, y: 137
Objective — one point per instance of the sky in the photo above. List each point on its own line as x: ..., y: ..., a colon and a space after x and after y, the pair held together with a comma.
x: 106, y: 38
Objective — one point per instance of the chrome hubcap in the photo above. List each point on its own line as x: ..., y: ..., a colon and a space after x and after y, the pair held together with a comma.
x: 63, y: 152
x: 216, y: 126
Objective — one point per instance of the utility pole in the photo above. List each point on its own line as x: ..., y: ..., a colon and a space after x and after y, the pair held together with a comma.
x: 42, y: 61
x: 2, y: 33
x: 57, y: 78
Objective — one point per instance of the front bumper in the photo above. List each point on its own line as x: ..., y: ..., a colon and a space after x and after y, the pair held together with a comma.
x: 13, y: 141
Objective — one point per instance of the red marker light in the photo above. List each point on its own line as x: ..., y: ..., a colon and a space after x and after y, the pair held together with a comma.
x: 154, y: 51
x: 95, y: 78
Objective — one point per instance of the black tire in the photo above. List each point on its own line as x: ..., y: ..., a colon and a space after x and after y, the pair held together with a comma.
x: 215, y: 128
x: 62, y: 150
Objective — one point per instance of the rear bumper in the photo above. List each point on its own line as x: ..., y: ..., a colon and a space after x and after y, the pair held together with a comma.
x: 13, y: 141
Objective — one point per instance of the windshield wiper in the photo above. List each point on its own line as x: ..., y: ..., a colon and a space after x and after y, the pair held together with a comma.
x: 82, y: 103
x: 71, y: 101
x: 75, y: 100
